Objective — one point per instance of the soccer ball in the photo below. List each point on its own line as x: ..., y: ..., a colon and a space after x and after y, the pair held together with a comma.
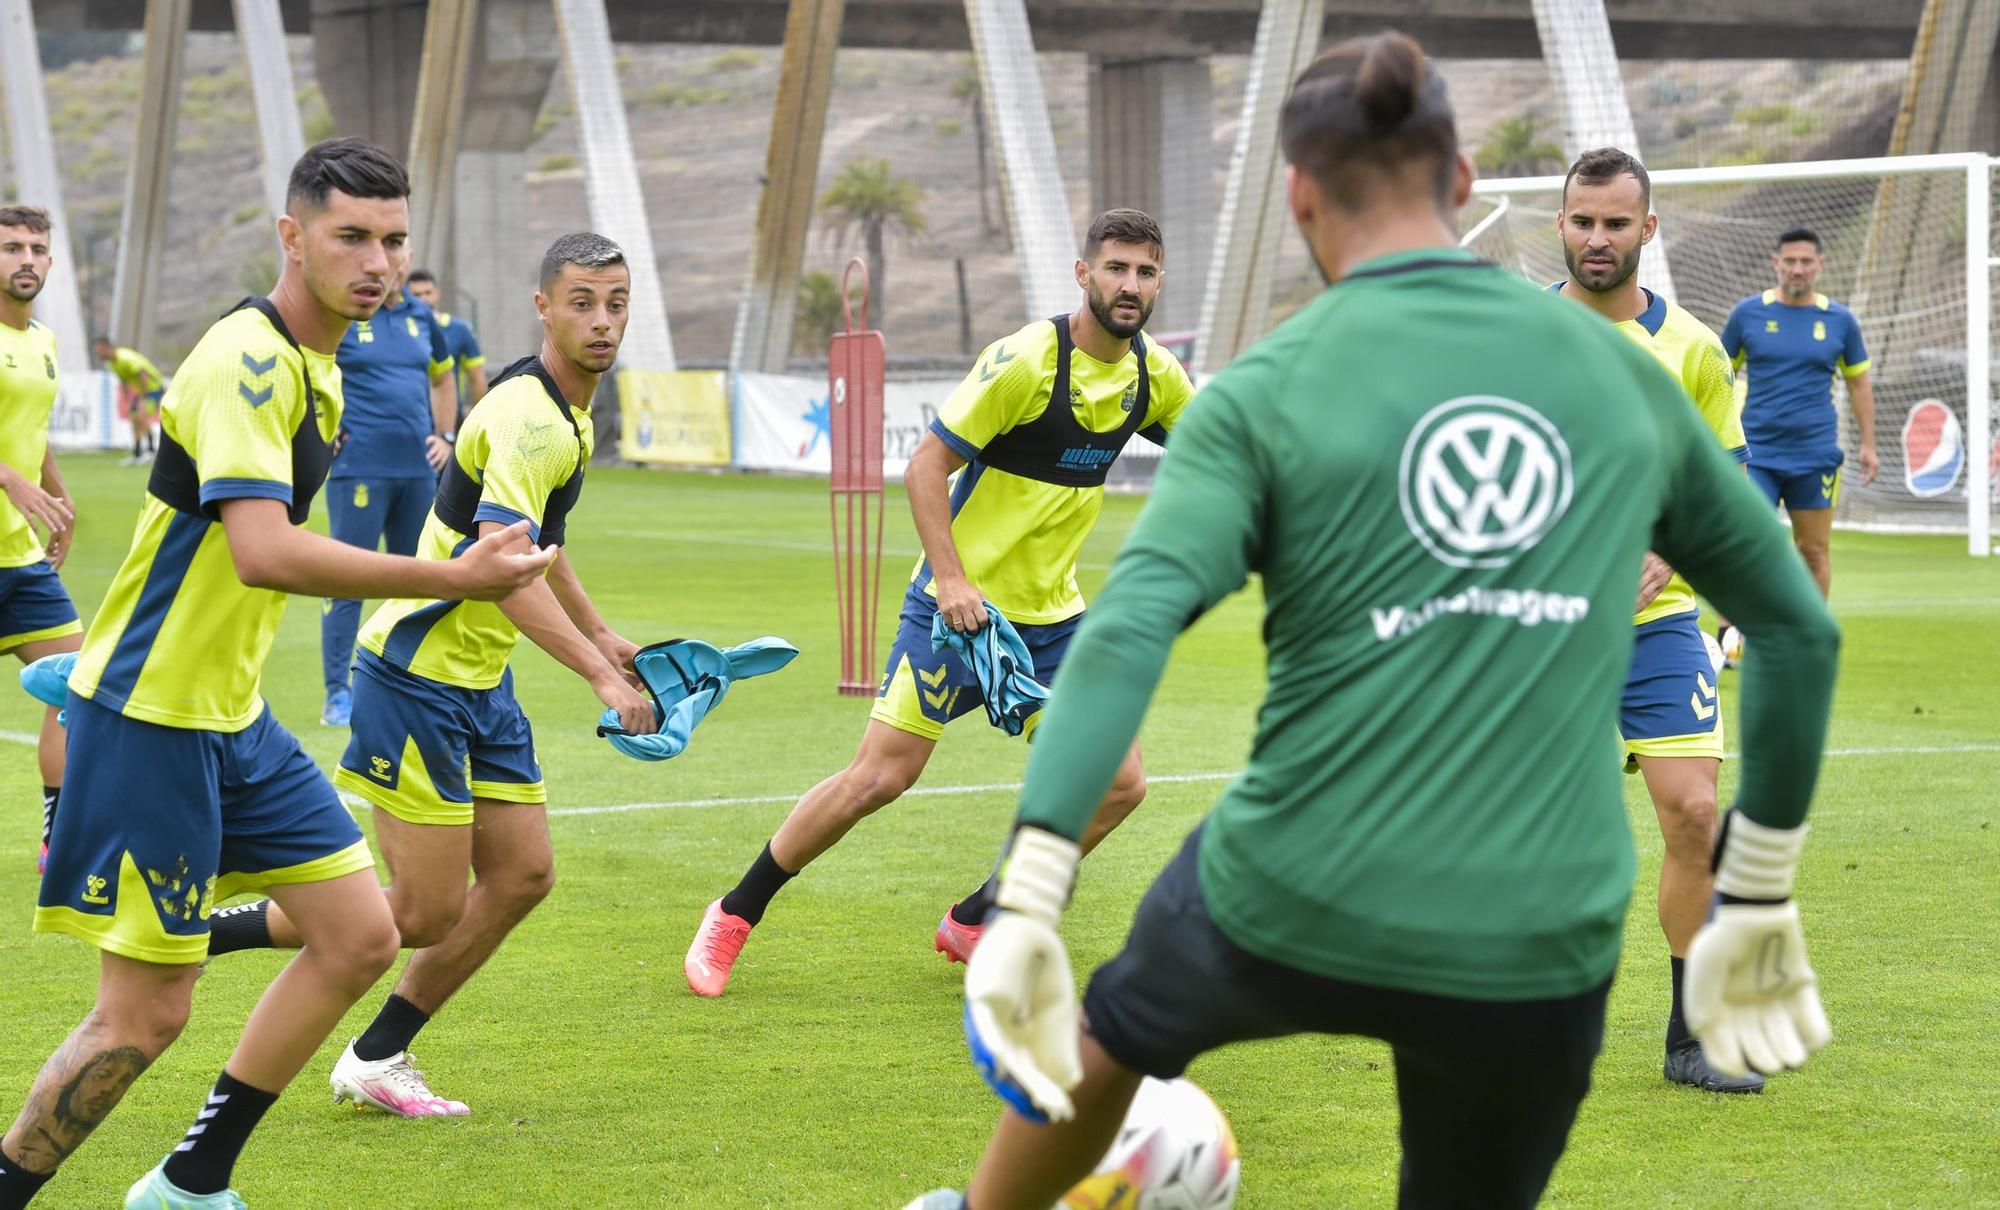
x: 1732, y: 646
x: 1174, y: 1152
x: 1715, y: 656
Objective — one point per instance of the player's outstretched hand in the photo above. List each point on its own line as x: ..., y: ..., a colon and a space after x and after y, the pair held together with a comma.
x: 1750, y: 995
x: 501, y: 562
x: 1020, y: 1016
x: 60, y: 541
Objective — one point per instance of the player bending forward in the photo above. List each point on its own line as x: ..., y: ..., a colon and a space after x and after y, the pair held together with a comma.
x: 183, y: 787
x: 440, y: 744
x: 1031, y: 433
x: 1428, y: 846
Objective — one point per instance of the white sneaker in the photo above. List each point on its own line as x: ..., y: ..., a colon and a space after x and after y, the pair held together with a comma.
x: 390, y: 1084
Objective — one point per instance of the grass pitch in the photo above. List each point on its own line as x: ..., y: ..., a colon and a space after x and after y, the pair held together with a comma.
x: 833, y: 1073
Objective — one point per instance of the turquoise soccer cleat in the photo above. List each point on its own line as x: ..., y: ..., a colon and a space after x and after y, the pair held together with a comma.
x: 155, y: 1192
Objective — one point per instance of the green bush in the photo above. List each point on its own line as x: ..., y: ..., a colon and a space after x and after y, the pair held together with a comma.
x: 558, y: 163
x: 1764, y: 115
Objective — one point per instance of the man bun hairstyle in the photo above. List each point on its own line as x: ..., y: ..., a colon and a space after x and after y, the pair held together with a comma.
x: 586, y: 249
x: 355, y: 167
x: 34, y: 218
x: 1366, y: 113
x: 1603, y: 165
x: 1793, y: 235
x: 1123, y: 227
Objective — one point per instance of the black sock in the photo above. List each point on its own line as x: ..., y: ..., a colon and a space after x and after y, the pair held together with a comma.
x: 761, y: 883
x: 1677, y: 1030
x: 973, y: 908
x: 247, y: 926
x: 50, y: 795
x: 201, y: 1163
x: 392, y: 1030
x: 17, y: 1184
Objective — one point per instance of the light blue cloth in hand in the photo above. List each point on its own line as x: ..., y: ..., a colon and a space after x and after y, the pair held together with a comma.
x: 47, y: 681
x: 688, y: 678
x: 1000, y: 662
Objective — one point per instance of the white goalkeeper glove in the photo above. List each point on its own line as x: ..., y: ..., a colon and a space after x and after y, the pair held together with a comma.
x: 1020, y: 997
x: 1749, y: 994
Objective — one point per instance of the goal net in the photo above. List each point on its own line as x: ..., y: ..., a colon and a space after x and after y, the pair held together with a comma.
x: 1897, y: 253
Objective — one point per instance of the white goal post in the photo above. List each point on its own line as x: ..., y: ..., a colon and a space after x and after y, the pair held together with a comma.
x: 1909, y: 249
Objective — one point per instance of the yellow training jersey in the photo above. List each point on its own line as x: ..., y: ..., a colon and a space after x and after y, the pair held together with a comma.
x: 136, y: 370
x: 520, y: 448
x: 1694, y: 356
x: 27, y: 396
x: 1017, y: 534
x: 180, y: 640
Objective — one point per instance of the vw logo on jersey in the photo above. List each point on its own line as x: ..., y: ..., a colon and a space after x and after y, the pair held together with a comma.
x: 1933, y: 449
x: 1482, y: 480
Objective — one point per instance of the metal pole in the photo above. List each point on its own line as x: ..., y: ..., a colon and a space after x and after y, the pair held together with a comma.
x: 1978, y: 357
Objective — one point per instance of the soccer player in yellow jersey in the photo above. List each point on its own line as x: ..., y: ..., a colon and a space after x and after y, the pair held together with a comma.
x: 36, y: 615
x: 148, y: 386
x: 186, y: 789
x: 1671, y: 716
x: 1031, y: 433
x: 440, y: 745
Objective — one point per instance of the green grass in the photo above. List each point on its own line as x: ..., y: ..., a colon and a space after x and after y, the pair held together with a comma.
x: 833, y: 1074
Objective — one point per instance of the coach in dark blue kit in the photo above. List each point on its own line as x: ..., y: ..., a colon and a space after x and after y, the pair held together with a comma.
x: 397, y: 429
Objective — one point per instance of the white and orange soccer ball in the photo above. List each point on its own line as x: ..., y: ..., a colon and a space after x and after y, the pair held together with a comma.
x: 1175, y: 1152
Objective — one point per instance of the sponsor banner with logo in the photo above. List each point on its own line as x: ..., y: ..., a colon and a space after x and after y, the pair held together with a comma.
x: 85, y: 416
x: 677, y: 417
x: 782, y: 425
x: 1933, y: 449
x: 782, y: 421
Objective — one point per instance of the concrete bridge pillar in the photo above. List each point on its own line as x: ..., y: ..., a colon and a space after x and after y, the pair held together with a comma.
x: 1151, y: 134
x: 366, y: 54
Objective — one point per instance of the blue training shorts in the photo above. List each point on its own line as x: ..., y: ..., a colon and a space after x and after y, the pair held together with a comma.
x: 34, y: 605
x: 159, y: 823
x: 1671, y: 705
x: 423, y: 750
x: 922, y: 689
x: 1799, y: 492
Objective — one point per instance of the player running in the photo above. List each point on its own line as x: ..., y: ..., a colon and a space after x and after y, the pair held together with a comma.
x: 440, y: 745
x: 37, y: 617
x: 396, y: 435
x: 1671, y: 713
x: 1029, y: 487
x: 144, y: 385
x: 469, y: 364
x: 1794, y: 341
x: 1427, y: 846
x: 187, y: 789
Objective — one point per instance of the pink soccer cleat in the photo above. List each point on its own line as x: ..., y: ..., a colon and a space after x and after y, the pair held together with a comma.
x: 713, y: 951
x: 954, y: 940
x: 391, y: 1085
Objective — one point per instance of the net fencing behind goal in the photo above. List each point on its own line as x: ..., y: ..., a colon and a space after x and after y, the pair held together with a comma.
x: 1907, y: 249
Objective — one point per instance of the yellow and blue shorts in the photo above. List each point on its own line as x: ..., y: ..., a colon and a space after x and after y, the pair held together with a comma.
x: 922, y: 689
x: 160, y: 823
x: 1671, y: 705
x: 423, y: 750
x: 34, y: 605
x: 1799, y: 492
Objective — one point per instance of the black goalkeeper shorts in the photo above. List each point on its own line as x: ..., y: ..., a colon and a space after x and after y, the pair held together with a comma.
x: 1488, y: 1089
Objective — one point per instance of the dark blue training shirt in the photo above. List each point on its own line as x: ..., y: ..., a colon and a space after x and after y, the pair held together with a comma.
x: 386, y: 365
x: 1791, y: 354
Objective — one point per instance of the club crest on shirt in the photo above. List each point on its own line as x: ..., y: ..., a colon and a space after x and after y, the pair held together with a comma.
x: 364, y: 333
x: 1130, y: 398
x: 1770, y: 325
x: 48, y: 365
x: 1819, y: 329
x: 410, y: 322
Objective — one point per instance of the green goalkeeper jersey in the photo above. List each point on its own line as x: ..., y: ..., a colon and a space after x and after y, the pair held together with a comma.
x: 1447, y: 480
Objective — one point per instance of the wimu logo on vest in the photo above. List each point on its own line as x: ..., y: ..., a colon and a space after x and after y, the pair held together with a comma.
x: 1086, y: 458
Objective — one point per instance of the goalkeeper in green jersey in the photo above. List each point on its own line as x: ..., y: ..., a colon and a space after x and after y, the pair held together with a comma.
x: 1446, y: 480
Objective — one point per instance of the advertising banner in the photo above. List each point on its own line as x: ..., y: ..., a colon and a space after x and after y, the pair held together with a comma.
x: 674, y: 417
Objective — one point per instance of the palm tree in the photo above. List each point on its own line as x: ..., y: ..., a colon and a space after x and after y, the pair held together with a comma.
x: 868, y: 197
x: 1514, y: 148
x: 819, y: 313
x: 967, y: 88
